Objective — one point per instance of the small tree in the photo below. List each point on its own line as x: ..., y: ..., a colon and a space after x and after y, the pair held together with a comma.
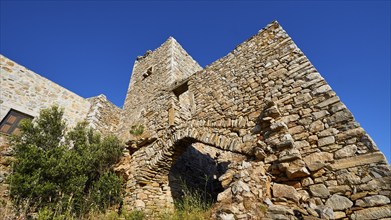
x: 63, y: 172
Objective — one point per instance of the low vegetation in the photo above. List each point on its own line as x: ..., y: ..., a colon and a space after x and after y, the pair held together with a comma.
x: 62, y: 174
x: 193, y: 205
x: 59, y: 174
x: 137, y: 130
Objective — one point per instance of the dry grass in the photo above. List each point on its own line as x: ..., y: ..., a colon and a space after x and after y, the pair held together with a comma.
x: 192, y: 206
x: 6, y: 211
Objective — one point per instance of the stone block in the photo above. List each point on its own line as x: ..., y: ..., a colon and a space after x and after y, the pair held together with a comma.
x: 337, y: 202
x: 307, y: 181
x: 319, y: 190
x: 284, y: 191
x: 226, y: 195
x: 300, y: 99
x: 289, y: 155
x: 328, y: 102
x: 316, y: 161
x: 316, y: 126
x: 319, y: 114
x: 296, y: 171
x: 372, y: 213
x: 375, y: 157
x: 325, y: 212
x: 339, y: 215
x: 347, y: 151
x: 326, y: 141
x: 322, y: 89
x: 375, y: 200
x: 339, y: 117
x: 139, y: 204
x: 358, y: 195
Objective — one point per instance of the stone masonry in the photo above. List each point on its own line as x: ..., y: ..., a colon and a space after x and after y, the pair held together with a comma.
x: 259, y: 131
x: 167, y: 65
x: 103, y: 116
x: 265, y: 124
x: 27, y: 92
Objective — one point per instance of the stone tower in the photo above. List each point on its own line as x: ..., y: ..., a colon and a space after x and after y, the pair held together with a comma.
x: 153, y: 73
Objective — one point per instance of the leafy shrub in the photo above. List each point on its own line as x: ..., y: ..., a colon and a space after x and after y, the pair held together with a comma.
x: 63, y: 172
x: 136, y: 129
x: 106, y: 191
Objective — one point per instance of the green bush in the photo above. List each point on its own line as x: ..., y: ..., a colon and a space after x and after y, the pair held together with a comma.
x: 63, y: 172
x: 106, y: 191
x: 136, y: 129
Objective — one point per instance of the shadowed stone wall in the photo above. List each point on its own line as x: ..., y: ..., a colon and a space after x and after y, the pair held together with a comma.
x: 197, y: 169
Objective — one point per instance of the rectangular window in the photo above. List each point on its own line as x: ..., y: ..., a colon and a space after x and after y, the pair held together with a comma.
x: 10, y: 123
x: 185, y: 100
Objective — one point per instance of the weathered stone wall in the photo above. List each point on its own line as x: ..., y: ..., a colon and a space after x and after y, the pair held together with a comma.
x: 5, y: 169
x: 306, y: 156
x: 103, y: 115
x: 307, y: 135
x: 28, y: 92
x: 147, y: 102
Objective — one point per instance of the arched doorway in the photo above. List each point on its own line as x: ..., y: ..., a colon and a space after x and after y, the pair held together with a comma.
x: 196, y: 169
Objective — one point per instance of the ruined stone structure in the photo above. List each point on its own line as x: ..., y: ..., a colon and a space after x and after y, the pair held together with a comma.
x: 279, y: 141
x: 259, y: 131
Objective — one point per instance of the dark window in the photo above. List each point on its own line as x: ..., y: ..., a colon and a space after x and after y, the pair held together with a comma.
x: 148, y: 72
x: 10, y: 123
x: 181, y: 89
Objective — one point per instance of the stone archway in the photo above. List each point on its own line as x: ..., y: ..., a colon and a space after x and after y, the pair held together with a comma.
x: 157, y: 168
x: 196, y: 168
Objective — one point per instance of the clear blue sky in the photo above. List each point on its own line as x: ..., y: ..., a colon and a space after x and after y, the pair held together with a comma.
x: 89, y: 47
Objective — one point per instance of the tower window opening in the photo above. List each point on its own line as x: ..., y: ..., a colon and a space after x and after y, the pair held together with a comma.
x: 148, y: 72
x: 178, y: 91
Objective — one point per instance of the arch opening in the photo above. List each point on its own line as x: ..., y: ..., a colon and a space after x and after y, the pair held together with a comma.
x: 196, y: 169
